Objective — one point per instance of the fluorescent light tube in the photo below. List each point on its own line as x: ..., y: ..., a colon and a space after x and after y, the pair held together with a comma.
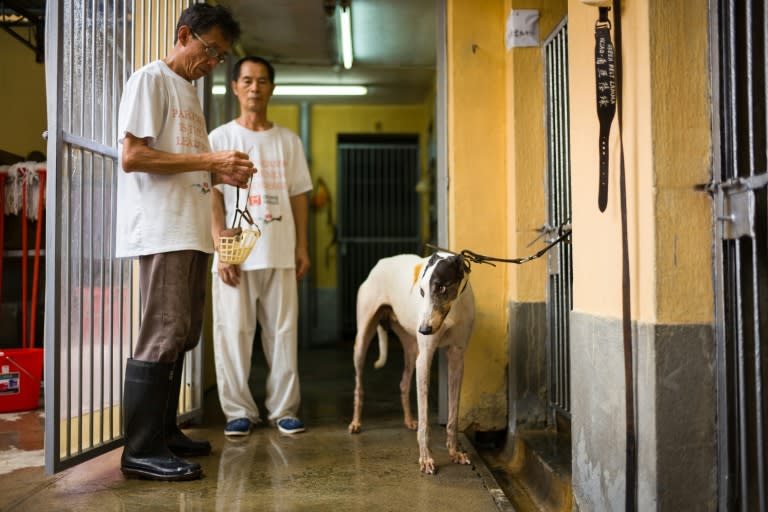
x: 320, y: 90
x: 346, y: 37
x: 219, y: 90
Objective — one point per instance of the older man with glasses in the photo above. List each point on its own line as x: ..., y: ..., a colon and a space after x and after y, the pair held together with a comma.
x: 163, y: 219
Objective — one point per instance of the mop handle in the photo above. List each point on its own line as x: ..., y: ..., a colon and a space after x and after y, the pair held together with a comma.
x: 2, y: 228
x: 36, y: 266
x: 24, y: 262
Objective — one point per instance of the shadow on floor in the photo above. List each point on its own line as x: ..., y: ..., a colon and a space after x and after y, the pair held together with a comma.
x: 324, y: 468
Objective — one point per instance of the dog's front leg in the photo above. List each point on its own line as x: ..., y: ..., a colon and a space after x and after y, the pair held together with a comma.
x: 423, y: 363
x: 455, y: 356
x: 410, y: 351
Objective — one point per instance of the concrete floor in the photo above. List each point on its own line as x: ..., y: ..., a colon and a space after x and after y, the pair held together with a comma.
x: 324, y: 468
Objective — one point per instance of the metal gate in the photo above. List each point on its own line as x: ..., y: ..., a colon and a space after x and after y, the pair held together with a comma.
x: 559, y: 265
x: 378, y: 209
x: 739, y: 63
x: 91, y: 298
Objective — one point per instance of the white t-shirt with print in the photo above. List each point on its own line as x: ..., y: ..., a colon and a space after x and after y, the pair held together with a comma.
x: 162, y: 213
x: 282, y: 172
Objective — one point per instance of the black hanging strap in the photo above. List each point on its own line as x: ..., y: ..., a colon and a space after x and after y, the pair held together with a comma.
x: 629, y: 374
x: 608, y: 77
x: 614, y: 83
x: 605, y: 81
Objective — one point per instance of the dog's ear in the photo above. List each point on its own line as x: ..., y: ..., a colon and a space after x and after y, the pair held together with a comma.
x: 416, y: 272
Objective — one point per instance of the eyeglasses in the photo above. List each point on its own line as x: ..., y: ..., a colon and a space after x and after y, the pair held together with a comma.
x: 210, y: 51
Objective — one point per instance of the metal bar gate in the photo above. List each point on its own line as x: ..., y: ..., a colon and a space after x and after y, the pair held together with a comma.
x: 739, y: 36
x: 559, y: 265
x: 378, y: 211
x: 91, y: 298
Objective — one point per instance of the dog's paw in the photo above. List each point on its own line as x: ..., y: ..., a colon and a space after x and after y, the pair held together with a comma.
x: 354, y: 428
x: 427, y: 465
x: 459, y: 457
x: 411, y: 424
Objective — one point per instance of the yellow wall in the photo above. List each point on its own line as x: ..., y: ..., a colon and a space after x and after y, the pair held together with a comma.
x: 666, y: 153
x: 286, y: 116
x: 477, y: 195
x: 682, y: 147
x: 327, y: 122
x: 597, y: 272
x: 526, y: 150
x: 22, y: 95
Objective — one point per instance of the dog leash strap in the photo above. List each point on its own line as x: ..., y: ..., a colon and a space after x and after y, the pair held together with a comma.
x: 480, y: 258
x: 629, y: 374
x: 605, y: 89
x: 243, y: 213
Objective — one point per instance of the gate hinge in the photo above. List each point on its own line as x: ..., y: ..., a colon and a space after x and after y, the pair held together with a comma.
x: 735, y: 204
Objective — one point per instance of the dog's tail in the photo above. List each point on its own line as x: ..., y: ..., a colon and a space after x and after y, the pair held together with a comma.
x: 383, y: 345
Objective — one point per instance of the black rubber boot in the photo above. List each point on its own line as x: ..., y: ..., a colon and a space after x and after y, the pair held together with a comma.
x: 177, y: 441
x: 145, y: 453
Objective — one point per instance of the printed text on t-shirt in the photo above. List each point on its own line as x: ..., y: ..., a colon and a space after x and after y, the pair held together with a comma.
x: 191, y: 129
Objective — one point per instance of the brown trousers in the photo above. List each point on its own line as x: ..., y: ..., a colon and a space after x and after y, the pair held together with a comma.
x: 172, y: 286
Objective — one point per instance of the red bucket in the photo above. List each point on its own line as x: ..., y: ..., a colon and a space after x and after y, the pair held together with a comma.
x: 21, y: 371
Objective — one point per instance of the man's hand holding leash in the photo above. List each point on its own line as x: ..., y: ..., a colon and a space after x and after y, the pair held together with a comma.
x: 231, y: 168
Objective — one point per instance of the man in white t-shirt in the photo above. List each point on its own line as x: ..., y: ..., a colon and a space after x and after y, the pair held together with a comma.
x: 163, y: 219
x: 262, y: 290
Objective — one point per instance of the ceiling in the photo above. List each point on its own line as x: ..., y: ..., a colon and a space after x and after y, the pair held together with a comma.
x: 393, y: 41
x: 24, y: 20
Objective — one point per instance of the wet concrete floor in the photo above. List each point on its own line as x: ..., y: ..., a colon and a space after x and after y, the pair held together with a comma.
x: 324, y: 468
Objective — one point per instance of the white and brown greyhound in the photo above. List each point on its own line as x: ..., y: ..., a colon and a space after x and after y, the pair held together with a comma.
x: 428, y: 303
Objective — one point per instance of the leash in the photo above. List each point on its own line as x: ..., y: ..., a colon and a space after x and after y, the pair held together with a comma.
x: 629, y: 375
x: 625, y: 295
x: 608, y: 72
x: 242, y: 213
x: 564, y: 231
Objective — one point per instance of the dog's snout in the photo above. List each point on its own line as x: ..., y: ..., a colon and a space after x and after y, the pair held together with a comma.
x: 432, y: 320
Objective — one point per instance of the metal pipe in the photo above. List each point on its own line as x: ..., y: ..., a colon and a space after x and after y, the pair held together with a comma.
x: 750, y: 87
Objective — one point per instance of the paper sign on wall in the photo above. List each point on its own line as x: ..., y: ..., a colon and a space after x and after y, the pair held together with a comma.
x: 522, y: 28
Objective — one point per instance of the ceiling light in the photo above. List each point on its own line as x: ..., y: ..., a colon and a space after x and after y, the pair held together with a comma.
x: 346, y: 37
x: 219, y: 90
x: 320, y: 90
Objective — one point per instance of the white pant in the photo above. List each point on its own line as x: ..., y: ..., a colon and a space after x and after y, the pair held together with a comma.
x: 270, y: 298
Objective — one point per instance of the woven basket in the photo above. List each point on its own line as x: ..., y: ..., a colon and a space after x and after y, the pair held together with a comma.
x: 235, y: 249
